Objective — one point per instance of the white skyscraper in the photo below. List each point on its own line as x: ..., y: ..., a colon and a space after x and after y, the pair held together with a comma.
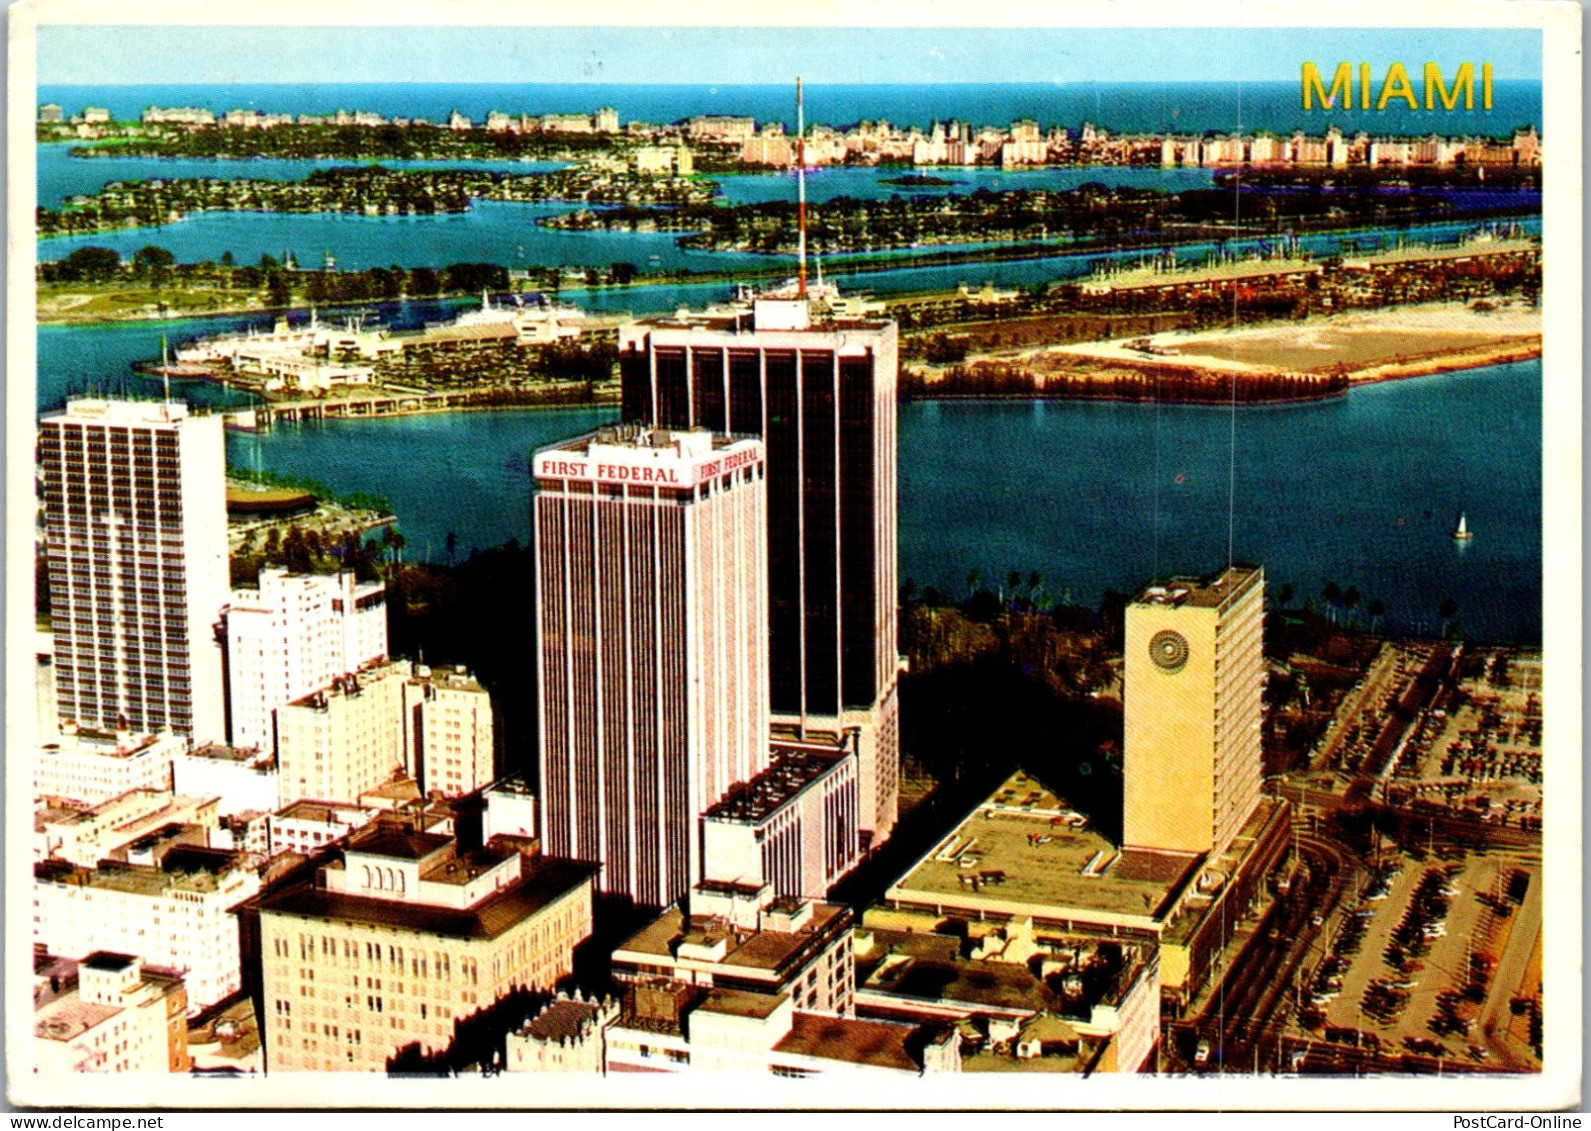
x: 135, y: 534
x: 292, y: 635
x: 652, y: 613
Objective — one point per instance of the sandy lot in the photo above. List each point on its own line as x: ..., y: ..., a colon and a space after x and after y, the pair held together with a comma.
x: 1359, y: 341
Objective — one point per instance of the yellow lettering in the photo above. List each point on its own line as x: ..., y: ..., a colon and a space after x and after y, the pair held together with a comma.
x: 1364, y: 86
x: 1341, y: 82
x: 1486, y: 86
x: 1397, y: 86
x: 1434, y: 88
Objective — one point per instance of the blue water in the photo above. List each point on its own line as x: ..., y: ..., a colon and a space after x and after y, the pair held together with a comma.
x: 492, y: 231
x: 1120, y: 107
x: 868, y: 183
x: 61, y: 175
x: 1069, y: 490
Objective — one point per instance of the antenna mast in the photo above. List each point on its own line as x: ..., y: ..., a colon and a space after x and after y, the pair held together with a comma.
x: 165, y: 367
x: 801, y: 191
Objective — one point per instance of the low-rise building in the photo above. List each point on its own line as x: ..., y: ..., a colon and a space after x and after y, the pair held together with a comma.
x: 400, y: 933
x: 566, y: 1036
x: 108, y: 1013
x: 1007, y: 977
x: 87, y: 834
x: 1022, y: 853
x: 241, y: 780
x: 793, y: 826
x: 89, y: 765
x: 736, y: 937
x: 176, y: 913
x: 308, y: 826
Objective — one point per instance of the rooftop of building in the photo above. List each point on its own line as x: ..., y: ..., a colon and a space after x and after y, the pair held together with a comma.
x: 396, y: 839
x: 320, y: 812
x: 1202, y: 593
x: 1036, y: 972
x: 1024, y: 849
x: 741, y: 1003
x: 453, y: 678
x: 123, y: 411
x: 246, y: 755
x: 753, y: 801
x: 744, y: 320
x: 562, y: 1020
x: 878, y: 1044
x: 542, y: 882
x: 514, y: 785
x: 185, y: 867
x: 105, y: 743
x: 765, y: 950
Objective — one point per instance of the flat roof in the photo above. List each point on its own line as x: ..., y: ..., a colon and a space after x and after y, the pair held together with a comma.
x: 545, y: 882
x: 1201, y: 592
x: 753, y: 801
x: 741, y: 1003
x: 1023, y: 851
x: 879, y: 1044
x: 762, y: 950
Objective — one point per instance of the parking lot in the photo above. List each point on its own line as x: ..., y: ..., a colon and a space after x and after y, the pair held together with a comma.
x: 1412, y: 963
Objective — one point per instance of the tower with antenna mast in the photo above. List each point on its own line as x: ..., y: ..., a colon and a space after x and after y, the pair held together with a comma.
x: 801, y: 192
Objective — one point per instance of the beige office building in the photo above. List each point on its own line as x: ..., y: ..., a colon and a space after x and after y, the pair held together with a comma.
x: 1195, y: 681
x: 401, y: 934
x: 336, y: 744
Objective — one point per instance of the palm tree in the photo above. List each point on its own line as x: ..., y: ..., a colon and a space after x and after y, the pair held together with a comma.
x: 974, y: 581
x: 1350, y: 599
x: 452, y: 544
x: 1284, y: 595
x: 1447, y: 610
x: 1332, y: 595
x: 1376, y: 610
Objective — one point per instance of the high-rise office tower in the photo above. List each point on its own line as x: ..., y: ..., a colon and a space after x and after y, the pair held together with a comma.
x: 651, y: 598
x: 820, y: 391
x: 135, y: 535
x: 1194, y: 686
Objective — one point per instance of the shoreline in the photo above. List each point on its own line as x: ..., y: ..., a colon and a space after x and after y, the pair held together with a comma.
x: 1428, y: 366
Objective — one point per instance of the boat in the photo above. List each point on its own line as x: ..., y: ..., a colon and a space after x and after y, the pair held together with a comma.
x: 1462, y: 534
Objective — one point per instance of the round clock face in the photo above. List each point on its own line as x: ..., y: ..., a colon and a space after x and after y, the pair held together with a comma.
x: 1169, y: 650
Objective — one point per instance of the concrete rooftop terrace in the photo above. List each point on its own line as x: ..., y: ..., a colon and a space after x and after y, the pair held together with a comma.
x: 1024, y: 852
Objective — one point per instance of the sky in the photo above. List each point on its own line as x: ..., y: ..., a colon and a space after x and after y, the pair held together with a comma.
x: 116, y: 54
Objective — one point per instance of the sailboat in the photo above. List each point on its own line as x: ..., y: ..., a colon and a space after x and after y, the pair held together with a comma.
x: 1462, y: 534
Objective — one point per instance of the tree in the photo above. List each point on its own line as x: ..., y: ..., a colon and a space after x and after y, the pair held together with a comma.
x: 91, y: 263
x: 974, y: 580
x: 150, y: 256
x: 1350, y: 599
x: 277, y: 291
x: 1284, y: 595
x: 1376, y: 610
x: 452, y: 544
x: 1332, y: 595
